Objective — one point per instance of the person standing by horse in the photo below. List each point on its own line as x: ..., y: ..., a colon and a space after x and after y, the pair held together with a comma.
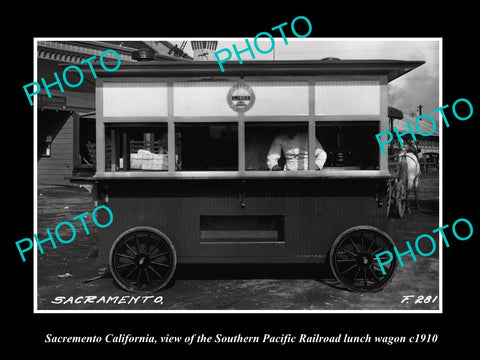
x: 412, y: 147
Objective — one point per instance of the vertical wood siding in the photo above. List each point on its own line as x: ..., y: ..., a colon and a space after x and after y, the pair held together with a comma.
x: 202, y: 98
x: 279, y: 98
x: 134, y: 99
x: 315, y: 213
x: 348, y: 97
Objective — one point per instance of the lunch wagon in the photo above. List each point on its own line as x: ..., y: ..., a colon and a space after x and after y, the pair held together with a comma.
x: 181, y: 160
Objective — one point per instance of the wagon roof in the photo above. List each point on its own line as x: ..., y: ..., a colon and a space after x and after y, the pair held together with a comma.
x: 392, y: 68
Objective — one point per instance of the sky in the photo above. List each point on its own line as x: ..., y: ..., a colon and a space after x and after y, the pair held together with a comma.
x: 419, y: 87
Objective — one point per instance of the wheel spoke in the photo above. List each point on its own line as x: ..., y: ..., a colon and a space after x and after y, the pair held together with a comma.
x: 374, y: 275
x: 146, y: 244
x: 138, y: 276
x: 125, y: 256
x: 377, y: 267
x: 160, y: 264
x: 356, y: 274
x: 129, y: 248
x: 153, y: 248
x: 125, y: 265
x: 155, y: 272
x: 370, y: 246
x: 347, y: 251
x: 355, y: 246
x: 346, y: 260
x: 365, y: 277
x: 347, y: 270
x: 158, y: 255
x: 137, y: 244
x: 131, y: 272
x: 378, y: 250
x: 148, y: 276
x: 363, y: 242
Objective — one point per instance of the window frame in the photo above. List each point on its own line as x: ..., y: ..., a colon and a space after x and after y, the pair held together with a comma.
x: 241, y: 119
x: 111, y: 130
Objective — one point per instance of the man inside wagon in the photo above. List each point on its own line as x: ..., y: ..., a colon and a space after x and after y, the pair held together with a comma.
x: 294, y: 145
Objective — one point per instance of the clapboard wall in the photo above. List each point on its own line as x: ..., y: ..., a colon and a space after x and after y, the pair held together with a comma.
x: 56, y: 169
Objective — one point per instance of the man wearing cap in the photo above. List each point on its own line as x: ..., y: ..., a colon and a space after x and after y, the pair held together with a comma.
x: 411, y: 147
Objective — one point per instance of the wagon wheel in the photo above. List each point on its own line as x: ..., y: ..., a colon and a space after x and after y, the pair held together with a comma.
x: 401, y: 198
x: 431, y: 167
x: 353, y: 259
x: 390, y: 194
x: 142, y: 260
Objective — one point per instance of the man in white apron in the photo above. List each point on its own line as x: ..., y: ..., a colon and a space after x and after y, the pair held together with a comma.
x: 295, y: 150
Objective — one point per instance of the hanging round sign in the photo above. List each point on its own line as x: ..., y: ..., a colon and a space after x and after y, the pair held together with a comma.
x: 241, y: 98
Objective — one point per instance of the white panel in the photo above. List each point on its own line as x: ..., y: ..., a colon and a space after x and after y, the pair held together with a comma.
x: 134, y: 99
x: 354, y: 97
x: 205, y: 98
x: 279, y: 98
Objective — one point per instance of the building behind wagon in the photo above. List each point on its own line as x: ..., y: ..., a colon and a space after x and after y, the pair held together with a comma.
x: 66, y: 120
x: 428, y: 144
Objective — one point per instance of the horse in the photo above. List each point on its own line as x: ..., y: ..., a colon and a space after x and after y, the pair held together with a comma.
x: 409, y: 171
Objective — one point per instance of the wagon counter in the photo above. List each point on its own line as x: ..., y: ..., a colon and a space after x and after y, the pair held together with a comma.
x: 185, y: 159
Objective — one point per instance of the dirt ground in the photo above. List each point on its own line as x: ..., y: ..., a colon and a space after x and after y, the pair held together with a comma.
x: 66, y: 271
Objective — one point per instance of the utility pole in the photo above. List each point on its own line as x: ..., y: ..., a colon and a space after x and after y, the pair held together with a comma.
x: 419, y: 109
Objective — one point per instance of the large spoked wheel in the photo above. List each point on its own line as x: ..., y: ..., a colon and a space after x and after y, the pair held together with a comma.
x: 142, y: 260
x: 390, y: 196
x: 401, y: 198
x: 353, y: 261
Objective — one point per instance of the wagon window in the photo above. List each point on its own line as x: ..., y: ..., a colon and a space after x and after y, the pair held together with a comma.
x: 136, y: 147
x: 281, y: 146
x: 349, y: 145
x: 206, y: 146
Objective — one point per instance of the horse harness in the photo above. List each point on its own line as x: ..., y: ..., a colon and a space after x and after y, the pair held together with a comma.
x: 404, y: 155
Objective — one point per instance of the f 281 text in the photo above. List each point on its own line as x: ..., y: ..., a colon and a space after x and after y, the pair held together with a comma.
x: 420, y: 299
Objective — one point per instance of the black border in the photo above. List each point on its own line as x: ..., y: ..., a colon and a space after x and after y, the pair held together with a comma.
x: 455, y: 26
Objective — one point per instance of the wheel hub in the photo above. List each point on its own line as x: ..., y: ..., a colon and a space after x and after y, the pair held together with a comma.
x: 142, y: 260
x: 364, y: 260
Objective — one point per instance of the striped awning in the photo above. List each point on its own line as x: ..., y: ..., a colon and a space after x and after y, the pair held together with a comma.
x: 424, y: 125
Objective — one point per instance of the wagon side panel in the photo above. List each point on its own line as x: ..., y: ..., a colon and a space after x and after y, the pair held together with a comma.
x: 244, y: 221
